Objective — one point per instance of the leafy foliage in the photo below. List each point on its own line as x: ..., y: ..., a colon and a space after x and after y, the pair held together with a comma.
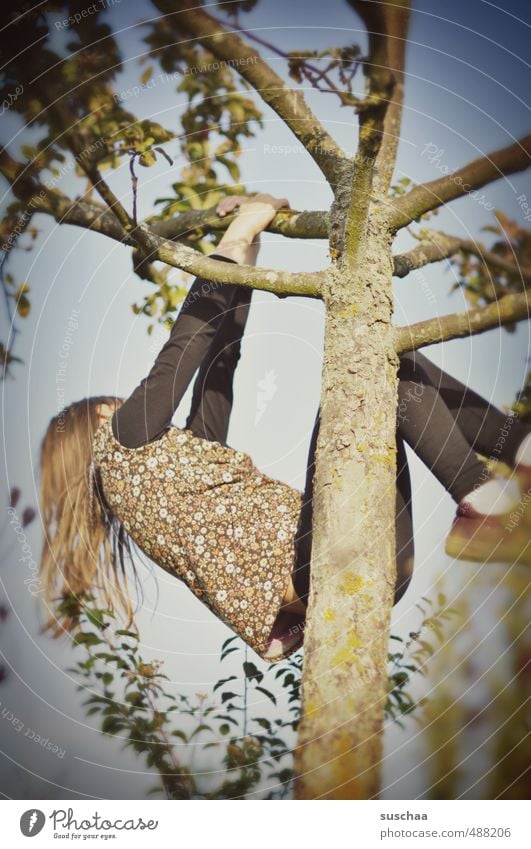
x: 413, y: 655
x: 130, y: 695
x: 485, y: 283
x: 218, y: 118
x: 67, y: 86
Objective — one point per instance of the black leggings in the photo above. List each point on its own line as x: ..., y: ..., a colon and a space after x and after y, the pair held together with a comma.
x: 443, y: 421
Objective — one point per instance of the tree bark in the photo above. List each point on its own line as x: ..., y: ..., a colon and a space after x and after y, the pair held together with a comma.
x: 353, y: 565
x: 353, y: 558
x: 482, y: 171
x: 506, y: 311
x: 435, y: 246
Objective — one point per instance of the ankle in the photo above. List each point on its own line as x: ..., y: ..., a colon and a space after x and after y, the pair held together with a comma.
x: 493, y: 498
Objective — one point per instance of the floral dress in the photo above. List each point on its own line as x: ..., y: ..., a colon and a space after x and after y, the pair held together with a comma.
x: 203, y: 512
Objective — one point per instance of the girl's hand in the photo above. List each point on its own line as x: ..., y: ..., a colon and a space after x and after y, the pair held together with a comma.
x: 229, y: 204
x: 256, y: 212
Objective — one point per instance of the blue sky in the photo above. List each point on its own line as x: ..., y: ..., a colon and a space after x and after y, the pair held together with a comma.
x: 466, y: 87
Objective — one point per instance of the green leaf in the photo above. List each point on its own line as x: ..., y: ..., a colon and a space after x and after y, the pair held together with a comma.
x: 202, y: 727
x: 135, y: 698
x: 111, y: 725
x: 231, y: 167
x: 226, y: 653
x: 267, y: 693
x: 281, y: 671
x: 228, y: 642
x: 23, y: 306
x: 227, y: 718
x: 252, y: 672
x: 226, y: 696
x: 87, y: 639
x: 147, y: 159
x: 96, y: 618
x: 222, y: 681
x: 29, y: 151
x: 146, y: 76
x: 181, y: 735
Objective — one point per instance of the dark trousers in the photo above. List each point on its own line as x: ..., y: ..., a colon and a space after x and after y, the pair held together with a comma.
x: 443, y: 421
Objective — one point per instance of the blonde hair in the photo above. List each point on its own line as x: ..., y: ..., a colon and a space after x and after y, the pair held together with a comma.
x: 85, y: 547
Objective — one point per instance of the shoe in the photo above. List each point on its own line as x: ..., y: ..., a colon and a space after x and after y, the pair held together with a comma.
x: 505, y: 538
x: 286, y: 633
x: 523, y: 473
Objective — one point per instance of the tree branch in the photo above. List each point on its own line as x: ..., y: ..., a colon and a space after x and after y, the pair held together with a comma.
x: 288, y: 103
x: 508, y: 310
x: 312, y: 73
x: 38, y: 198
x: 290, y: 223
x: 81, y: 146
x: 387, y: 27
x: 480, y: 172
x: 287, y: 222
x: 380, y: 115
x: 436, y: 246
x: 307, y: 284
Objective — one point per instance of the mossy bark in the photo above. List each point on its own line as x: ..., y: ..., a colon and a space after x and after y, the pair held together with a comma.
x: 353, y: 559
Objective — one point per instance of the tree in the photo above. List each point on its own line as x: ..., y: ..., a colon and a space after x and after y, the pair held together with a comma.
x: 346, y: 641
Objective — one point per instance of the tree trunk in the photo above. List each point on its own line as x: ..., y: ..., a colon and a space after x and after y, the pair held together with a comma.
x: 353, y: 558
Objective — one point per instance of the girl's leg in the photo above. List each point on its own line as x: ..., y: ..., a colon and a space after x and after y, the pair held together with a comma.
x: 213, y: 388
x: 429, y: 426
x: 405, y: 544
x: 303, y: 540
x: 489, y: 431
x: 147, y: 412
x: 446, y: 423
x: 403, y: 523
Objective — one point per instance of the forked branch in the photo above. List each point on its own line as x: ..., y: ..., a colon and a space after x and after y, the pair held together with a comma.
x: 387, y: 27
x: 288, y: 103
x: 435, y: 246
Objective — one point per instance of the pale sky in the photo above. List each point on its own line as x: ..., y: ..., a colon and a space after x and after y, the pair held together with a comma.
x: 465, y: 93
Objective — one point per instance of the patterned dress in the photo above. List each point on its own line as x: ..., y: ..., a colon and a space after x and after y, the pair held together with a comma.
x: 203, y: 512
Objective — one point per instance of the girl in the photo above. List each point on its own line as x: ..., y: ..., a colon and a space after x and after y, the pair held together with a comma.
x: 201, y: 510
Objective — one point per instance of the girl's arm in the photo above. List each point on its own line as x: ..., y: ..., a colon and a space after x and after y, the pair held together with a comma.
x: 241, y: 240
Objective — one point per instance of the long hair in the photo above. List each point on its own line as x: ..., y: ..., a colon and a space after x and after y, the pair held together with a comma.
x: 85, y: 547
